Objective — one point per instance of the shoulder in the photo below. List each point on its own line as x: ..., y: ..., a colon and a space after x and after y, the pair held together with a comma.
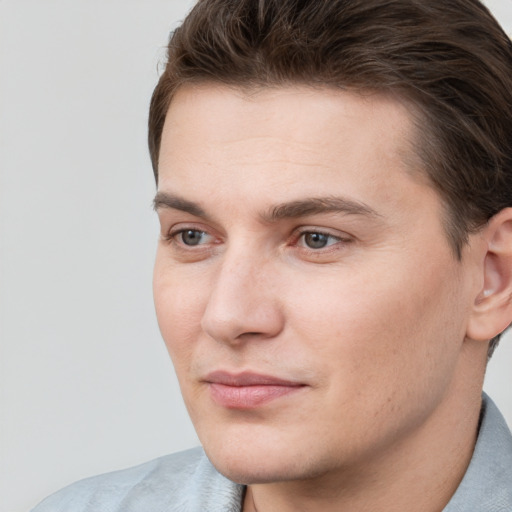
x: 184, y: 481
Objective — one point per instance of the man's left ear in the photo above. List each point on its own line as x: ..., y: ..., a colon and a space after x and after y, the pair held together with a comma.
x: 492, y: 309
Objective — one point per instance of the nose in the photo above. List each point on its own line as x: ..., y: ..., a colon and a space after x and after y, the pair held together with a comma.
x: 244, y: 302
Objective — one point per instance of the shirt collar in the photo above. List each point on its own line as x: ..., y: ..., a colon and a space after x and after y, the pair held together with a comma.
x: 487, y: 484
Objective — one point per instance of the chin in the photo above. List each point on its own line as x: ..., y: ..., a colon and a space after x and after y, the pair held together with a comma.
x: 247, y: 472
x: 259, y: 463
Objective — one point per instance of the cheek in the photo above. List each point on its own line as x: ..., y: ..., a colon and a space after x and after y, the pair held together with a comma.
x: 384, y: 349
x: 379, y: 326
x: 179, y: 306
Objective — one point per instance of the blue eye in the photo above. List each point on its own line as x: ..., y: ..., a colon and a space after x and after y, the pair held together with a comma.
x: 192, y: 237
x: 316, y: 240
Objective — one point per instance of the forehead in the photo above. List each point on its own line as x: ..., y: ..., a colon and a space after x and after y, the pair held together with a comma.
x: 220, y: 117
x: 286, y: 136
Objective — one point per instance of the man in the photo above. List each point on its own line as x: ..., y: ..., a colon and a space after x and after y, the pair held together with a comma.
x: 335, y: 264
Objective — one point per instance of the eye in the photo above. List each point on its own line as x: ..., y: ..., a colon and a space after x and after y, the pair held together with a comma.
x: 192, y: 237
x: 189, y: 243
x: 317, y: 240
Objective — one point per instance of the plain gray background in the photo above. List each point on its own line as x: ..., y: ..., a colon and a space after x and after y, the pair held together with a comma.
x: 85, y: 382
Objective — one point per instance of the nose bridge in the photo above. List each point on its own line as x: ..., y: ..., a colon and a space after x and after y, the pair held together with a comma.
x: 242, y: 299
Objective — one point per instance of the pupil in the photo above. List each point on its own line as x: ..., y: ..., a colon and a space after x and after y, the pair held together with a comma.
x: 316, y: 240
x: 191, y: 237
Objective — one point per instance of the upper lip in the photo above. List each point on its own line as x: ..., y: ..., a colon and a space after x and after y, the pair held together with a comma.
x: 247, y: 379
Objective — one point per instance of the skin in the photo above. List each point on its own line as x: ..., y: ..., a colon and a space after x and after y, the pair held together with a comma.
x: 374, y: 325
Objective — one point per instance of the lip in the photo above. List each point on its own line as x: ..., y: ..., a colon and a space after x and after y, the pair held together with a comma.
x: 248, y: 390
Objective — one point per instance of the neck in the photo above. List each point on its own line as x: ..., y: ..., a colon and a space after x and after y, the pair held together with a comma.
x: 420, y: 472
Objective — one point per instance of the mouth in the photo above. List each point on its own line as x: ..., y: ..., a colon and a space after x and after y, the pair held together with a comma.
x: 248, y: 390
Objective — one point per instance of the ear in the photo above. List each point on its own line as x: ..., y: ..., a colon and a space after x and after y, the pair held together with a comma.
x: 492, y: 309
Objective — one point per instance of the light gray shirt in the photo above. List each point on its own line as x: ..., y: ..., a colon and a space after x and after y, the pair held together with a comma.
x: 187, y: 482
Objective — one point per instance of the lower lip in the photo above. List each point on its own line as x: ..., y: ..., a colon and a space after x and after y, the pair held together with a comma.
x: 248, y: 397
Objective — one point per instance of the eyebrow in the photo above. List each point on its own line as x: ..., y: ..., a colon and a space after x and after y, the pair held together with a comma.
x: 292, y: 209
x: 319, y: 205
x: 165, y: 200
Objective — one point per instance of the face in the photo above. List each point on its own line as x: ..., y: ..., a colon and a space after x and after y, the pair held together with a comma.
x: 304, y: 285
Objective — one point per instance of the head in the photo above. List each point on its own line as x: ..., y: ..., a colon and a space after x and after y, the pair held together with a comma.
x: 455, y: 75
x: 416, y: 94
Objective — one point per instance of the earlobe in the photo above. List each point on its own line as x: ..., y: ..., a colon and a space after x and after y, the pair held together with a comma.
x: 492, y: 309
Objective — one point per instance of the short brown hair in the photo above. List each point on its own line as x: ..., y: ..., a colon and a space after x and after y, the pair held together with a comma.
x: 448, y: 58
